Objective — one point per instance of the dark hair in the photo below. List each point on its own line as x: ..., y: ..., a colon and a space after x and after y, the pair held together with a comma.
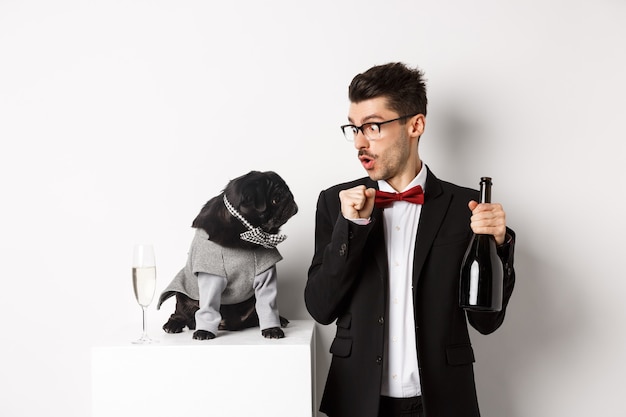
x: 404, y: 87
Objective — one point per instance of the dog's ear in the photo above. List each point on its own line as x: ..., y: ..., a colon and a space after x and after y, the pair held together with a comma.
x: 253, y: 198
x: 248, y: 194
x: 237, y: 189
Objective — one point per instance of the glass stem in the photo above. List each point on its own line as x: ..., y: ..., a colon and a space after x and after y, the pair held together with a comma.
x: 145, y: 332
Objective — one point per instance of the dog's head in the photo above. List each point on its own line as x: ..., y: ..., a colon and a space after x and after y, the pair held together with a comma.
x: 262, y: 198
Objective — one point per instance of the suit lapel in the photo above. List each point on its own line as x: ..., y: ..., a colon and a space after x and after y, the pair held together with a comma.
x: 436, y: 203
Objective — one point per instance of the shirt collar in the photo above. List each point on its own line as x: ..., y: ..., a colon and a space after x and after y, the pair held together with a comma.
x: 420, y: 179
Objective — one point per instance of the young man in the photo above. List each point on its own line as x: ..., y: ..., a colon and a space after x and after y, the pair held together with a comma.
x: 390, y: 276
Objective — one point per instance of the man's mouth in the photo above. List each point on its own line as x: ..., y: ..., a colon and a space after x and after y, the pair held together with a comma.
x: 366, y: 160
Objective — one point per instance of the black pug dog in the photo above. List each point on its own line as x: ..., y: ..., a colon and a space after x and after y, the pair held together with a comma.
x: 229, y: 281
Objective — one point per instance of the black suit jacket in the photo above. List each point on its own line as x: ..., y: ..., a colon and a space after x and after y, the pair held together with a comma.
x: 347, y: 282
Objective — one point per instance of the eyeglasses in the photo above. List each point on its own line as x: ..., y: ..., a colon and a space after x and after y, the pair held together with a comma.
x: 370, y: 130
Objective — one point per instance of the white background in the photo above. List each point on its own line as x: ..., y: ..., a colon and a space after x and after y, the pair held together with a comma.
x: 119, y: 119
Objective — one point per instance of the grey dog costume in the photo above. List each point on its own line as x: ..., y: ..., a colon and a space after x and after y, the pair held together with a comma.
x: 247, y: 272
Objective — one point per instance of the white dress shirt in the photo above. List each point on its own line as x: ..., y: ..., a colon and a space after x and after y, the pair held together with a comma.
x: 400, y: 369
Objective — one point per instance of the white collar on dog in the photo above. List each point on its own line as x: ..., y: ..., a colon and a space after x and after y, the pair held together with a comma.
x: 254, y: 234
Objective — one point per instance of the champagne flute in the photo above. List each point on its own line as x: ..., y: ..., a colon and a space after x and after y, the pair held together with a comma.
x: 144, y: 283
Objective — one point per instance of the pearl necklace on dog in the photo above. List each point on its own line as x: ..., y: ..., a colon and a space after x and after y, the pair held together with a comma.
x: 254, y: 234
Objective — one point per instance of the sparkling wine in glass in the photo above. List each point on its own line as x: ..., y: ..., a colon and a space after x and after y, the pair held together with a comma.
x: 144, y: 283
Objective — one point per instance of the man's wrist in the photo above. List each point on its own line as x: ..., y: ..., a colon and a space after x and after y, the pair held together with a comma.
x: 361, y: 222
x: 507, y: 241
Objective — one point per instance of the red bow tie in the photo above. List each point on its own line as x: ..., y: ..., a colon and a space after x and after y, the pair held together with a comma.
x: 413, y: 195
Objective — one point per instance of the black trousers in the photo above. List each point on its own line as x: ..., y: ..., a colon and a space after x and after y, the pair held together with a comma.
x: 400, y: 407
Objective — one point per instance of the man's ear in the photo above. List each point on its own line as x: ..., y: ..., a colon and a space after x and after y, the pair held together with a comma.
x: 417, y: 125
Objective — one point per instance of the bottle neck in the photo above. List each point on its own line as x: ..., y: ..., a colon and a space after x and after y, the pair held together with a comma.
x: 485, y: 190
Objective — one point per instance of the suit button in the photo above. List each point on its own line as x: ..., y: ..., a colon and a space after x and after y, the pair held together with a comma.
x: 379, y: 360
x: 342, y: 249
x: 381, y: 320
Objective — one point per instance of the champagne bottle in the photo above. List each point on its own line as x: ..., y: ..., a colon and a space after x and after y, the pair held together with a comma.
x: 480, y: 287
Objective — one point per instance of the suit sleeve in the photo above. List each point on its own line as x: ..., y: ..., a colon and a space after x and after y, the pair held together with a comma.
x: 333, y: 272
x: 487, y: 323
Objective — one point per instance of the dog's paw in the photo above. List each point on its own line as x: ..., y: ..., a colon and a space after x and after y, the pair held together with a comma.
x: 173, y: 326
x: 283, y: 321
x: 273, y: 333
x: 203, y: 335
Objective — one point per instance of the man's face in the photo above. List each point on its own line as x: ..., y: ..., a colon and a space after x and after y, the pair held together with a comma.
x: 384, y: 158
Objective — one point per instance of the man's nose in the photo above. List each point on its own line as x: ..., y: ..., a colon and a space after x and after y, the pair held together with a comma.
x: 360, y: 141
